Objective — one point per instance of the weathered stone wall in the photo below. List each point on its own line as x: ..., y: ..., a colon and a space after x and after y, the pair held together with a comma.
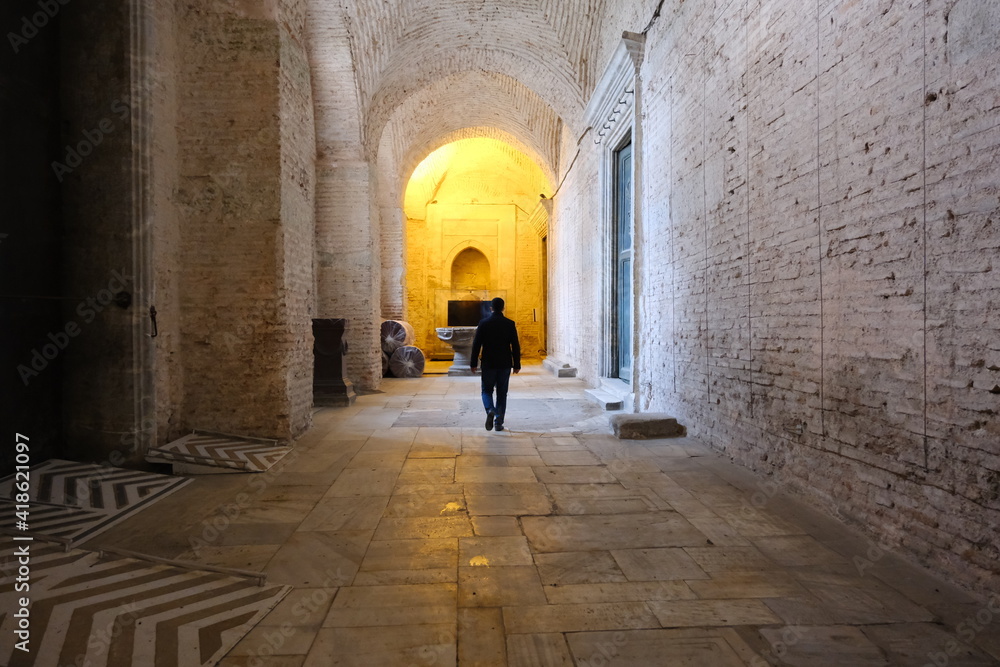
x: 167, y: 259
x: 347, y: 263
x: 246, y: 183
x: 480, y: 194
x: 348, y: 260
x: 395, y: 272
x: 818, y: 296
x: 298, y: 211
x: 197, y: 188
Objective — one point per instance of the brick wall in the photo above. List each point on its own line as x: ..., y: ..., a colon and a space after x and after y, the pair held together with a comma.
x: 298, y: 218
x: 347, y: 226
x: 245, y: 233
x: 347, y: 262
x: 818, y: 297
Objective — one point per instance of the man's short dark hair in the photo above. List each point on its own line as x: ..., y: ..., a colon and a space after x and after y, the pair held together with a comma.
x: 497, y: 305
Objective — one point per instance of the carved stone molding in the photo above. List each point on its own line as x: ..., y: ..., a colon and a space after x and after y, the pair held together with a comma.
x: 614, y: 96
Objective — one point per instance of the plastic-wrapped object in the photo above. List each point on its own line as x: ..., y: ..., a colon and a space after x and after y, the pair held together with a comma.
x: 385, y: 364
x: 407, y: 362
x: 395, y: 334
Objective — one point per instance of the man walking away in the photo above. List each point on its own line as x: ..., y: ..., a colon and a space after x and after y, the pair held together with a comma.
x: 496, y: 336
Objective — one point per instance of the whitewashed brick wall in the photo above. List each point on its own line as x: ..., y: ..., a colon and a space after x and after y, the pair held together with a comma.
x: 819, y: 297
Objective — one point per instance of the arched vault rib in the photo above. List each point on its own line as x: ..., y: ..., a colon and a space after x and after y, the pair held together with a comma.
x: 463, y: 105
x: 556, y: 95
x: 485, y: 169
x: 418, y: 153
x: 400, y: 48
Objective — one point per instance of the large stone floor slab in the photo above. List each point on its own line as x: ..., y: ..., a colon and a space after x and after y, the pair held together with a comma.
x: 660, y: 647
x: 412, y: 536
x: 630, y: 531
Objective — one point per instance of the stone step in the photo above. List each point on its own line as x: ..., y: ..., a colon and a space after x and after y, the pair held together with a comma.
x: 559, y: 368
x: 646, y: 426
x: 606, y: 400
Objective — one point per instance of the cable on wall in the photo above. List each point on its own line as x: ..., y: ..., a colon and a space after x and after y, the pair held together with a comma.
x: 656, y: 15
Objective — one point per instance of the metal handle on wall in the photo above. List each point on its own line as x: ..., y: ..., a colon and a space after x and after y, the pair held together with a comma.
x: 152, y: 317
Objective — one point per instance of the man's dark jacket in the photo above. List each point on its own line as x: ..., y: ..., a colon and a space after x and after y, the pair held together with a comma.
x: 497, y: 337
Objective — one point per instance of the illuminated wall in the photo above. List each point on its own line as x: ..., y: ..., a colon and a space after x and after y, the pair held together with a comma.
x: 469, y: 208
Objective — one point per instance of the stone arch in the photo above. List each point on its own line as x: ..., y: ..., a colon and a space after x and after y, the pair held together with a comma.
x: 402, y: 47
x: 418, y: 153
x: 396, y: 164
x: 463, y: 105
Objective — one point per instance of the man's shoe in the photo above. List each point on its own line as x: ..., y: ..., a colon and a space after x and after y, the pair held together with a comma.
x: 489, y: 420
x: 499, y: 427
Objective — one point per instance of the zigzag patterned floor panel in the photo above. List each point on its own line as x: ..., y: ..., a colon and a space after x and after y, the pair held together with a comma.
x: 223, y: 451
x: 76, y: 501
x: 116, y: 612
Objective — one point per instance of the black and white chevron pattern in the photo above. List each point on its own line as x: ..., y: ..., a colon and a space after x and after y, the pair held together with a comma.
x: 222, y: 451
x: 76, y: 501
x: 53, y: 520
x: 87, y: 610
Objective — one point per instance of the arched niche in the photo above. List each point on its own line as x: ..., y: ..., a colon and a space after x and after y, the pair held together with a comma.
x: 470, y: 270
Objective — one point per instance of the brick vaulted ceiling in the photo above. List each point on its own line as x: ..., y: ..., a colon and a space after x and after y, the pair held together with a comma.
x: 436, y: 67
x: 469, y: 104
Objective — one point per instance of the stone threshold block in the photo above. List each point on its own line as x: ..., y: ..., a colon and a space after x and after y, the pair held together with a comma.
x: 559, y: 368
x: 610, y: 402
x: 645, y: 426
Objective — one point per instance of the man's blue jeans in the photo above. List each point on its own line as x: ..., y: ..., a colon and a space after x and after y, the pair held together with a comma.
x: 498, y: 378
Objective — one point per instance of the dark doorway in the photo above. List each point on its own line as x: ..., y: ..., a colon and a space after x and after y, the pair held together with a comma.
x: 31, y: 234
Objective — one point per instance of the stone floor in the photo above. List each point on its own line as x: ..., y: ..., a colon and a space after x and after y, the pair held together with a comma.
x: 412, y: 536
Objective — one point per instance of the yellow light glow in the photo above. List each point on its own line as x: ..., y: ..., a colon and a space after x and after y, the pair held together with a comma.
x: 472, y: 210
x: 452, y: 507
x: 474, y: 171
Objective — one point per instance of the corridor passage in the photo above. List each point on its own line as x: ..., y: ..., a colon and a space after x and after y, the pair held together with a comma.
x: 412, y: 536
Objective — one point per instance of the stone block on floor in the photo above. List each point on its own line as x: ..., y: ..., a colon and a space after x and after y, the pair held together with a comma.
x: 645, y: 426
x: 559, y: 368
